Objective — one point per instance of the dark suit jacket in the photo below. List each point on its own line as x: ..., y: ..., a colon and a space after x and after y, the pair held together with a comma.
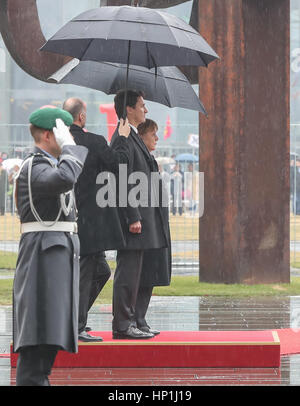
x: 99, y: 229
x: 153, y: 233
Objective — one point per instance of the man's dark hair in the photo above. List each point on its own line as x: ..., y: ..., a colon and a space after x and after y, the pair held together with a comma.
x: 132, y: 98
x: 74, y: 106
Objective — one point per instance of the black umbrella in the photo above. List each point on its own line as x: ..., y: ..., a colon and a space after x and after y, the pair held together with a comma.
x: 131, y: 35
x: 135, y: 35
x: 167, y: 86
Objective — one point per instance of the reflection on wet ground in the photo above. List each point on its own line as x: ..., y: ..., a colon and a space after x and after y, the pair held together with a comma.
x: 183, y: 313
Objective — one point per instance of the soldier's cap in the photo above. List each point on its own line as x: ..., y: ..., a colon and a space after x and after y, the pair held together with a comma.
x: 45, y: 117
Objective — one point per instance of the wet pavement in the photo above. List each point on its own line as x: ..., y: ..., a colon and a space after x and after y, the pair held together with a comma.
x: 182, y: 314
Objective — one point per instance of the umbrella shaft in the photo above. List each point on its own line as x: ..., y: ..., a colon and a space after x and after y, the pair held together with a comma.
x: 126, y: 82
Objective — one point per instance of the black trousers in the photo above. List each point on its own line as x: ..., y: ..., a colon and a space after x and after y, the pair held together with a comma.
x: 142, y: 304
x: 130, y: 300
x: 34, y: 365
x: 94, y: 273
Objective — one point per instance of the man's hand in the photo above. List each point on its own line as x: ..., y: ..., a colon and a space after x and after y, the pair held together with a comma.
x: 124, y: 128
x: 135, y: 228
x: 62, y: 134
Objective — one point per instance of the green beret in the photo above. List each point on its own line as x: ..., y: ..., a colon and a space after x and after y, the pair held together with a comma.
x: 45, y: 117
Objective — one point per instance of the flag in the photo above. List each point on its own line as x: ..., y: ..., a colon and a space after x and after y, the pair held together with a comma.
x: 193, y: 140
x: 168, y: 129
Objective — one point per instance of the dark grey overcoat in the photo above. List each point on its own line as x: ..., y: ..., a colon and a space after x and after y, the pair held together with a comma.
x: 157, y: 263
x: 46, y: 283
x: 155, y: 236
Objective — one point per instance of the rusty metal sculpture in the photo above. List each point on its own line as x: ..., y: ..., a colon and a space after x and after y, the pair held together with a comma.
x: 23, y: 45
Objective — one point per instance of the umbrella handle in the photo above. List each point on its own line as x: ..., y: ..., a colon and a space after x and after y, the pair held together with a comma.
x: 126, y: 82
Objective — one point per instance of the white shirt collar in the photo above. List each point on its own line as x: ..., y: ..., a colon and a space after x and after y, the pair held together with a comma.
x: 134, y: 128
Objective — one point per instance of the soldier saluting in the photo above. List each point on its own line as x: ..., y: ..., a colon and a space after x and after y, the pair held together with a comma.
x: 46, y: 283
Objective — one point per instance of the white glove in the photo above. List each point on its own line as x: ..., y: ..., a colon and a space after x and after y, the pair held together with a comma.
x: 62, y: 134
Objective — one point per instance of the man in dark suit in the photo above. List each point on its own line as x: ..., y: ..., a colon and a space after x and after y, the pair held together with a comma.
x: 98, y: 228
x: 142, y: 226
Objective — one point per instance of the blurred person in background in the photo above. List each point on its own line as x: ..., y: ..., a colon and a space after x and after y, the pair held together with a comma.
x: 3, y: 189
x: 177, y: 187
x: 11, y: 178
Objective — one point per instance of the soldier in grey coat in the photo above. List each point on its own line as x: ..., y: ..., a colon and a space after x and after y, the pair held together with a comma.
x: 46, y: 284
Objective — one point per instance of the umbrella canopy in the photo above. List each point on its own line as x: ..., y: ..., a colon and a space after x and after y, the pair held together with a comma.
x: 135, y: 35
x: 167, y: 86
x: 8, y: 164
x: 186, y: 158
x: 164, y: 160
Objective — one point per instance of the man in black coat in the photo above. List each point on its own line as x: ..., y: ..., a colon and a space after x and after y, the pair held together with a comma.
x: 46, y: 283
x: 141, y: 225
x: 99, y: 228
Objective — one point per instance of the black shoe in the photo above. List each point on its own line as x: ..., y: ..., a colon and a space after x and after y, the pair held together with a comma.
x: 150, y: 330
x: 84, y: 336
x: 132, y: 333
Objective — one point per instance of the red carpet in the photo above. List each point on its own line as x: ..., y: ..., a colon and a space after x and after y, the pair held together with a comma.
x: 185, y: 349
x: 289, y: 340
x: 173, y: 349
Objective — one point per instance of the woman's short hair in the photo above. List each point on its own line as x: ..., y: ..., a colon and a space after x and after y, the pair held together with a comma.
x: 146, y: 126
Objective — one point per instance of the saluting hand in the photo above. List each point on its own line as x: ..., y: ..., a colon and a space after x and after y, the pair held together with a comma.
x: 124, y: 128
x: 62, y: 134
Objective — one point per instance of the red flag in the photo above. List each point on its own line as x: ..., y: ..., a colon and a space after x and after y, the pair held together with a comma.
x: 168, y: 129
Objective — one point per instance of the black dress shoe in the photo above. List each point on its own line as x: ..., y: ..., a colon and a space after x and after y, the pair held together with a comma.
x: 84, y: 336
x: 132, y: 333
x: 150, y: 330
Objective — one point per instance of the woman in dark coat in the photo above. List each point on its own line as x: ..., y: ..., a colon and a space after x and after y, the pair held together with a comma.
x: 157, y: 263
